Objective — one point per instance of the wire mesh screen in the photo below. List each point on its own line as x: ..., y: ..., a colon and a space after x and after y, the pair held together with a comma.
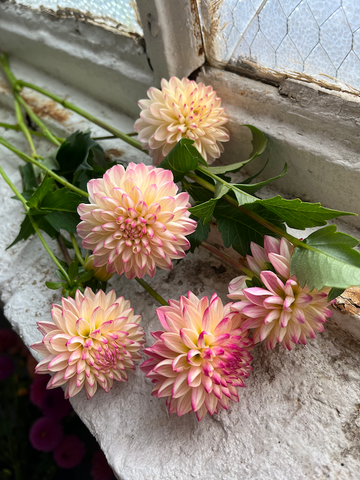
x: 115, y: 13
x: 318, y: 38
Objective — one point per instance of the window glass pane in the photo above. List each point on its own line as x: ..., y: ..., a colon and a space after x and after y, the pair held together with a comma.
x: 114, y: 13
x: 316, y: 38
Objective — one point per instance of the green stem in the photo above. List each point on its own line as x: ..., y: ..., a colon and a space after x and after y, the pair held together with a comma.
x: 83, y: 113
x: 225, y: 257
x: 64, y: 250
x: 23, y: 128
x: 37, y: 120
x: 27, y: 158
x: 9, y: 126
x: 273, y: 228
x: 111, y: 137
x: 34, y: 225
x: 76, y: 249
x: 152, y: 292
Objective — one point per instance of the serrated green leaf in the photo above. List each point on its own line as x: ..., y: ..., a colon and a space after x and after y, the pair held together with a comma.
x: 204, y: 210
x: 329, y: 260
x: 26, y: 229
x: 238, y: 230
x: 300, y: 215
x: 45, y: 187
x: 61, y: 200
x: 63, y: 220
x: 201, y: 233
x: 198, y: 193
x: 259, y: 144
x: 334, y: 293
x: 60, y: 275
x: 181, y: 159
x: 243, y: 198
x: 220, y: 190
x: 73, y: 154
x: 55, y: 285
x: 73, y: 270
x: 28, y: 178
x: 254, y: 187
x: 49, y: 162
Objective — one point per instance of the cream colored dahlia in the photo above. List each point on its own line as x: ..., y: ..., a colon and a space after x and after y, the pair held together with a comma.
x: 182, y: 108
x: 202, y: 356
x: 282, y: 311
x: 136, y: 221
x: 91, y: 342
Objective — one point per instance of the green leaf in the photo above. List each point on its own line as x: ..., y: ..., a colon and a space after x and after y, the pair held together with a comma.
x: 238, y: 230
x: 334, y: 293
x: 46, y: 186
x: 73, y: 270
x: 73, y: 154
x: 63, y: 220
x: 204, y: 210
x: 221, y: 190
x: 28, y: 178
x: 254, y: 187
x: 55, y: 285
x: 300, y: 215
x: 250, y: 179
x: 259, y: 144
x: 62, y: 199
x: 26, y: 229
x: 329, y: 260
x: 198, y: 193
x: 242, y: 197
x: 201, y: 233
x: 86, y: 276
x: 60, y: 275
x: 182, y: 159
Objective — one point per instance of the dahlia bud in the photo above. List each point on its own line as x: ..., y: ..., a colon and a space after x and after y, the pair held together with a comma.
x: 100, y: 273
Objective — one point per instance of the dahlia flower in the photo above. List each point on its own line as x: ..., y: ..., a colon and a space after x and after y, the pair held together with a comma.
x: 182, y: 108
x: 70, y: 452
x: 45, y: 434
x: 135, y: 221
x: 100, y: 273
x: 93, y: 341
x: 282, y: 311
x: 201, y: 358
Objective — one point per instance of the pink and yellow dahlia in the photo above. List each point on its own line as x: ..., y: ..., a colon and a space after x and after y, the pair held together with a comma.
x: 282, y: 311
x: 201, y: 358
x: 136, y: 221
x: 92, y: 341
x: 182, y: 108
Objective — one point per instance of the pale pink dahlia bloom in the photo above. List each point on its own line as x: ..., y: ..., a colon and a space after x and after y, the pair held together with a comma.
x: 282, y: 311
x: 182, y: 108
x: 92, y: 341
x: 135, y: 221
x: 201, y: 358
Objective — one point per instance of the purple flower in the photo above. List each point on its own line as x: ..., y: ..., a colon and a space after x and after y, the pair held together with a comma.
x: 38, y: 390
x: 45, y: 434
x: 70, y: 452
x: 100, y: 469
x: 54, y: 405
x: 9, y: 341
x: 6, y: 367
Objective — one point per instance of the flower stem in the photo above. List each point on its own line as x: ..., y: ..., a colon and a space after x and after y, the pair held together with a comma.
x: 27, y: 158
x: 9, y: 126
x: 225, y: 257
x: 23, y: 128
x: 152, y: 292
x: 83, y: 113
x: 111, y: 137
x: 273, y: 228
x: 34, y: 225
x: 64, y: 250
x: 37, y: 120
x: 76, y: 249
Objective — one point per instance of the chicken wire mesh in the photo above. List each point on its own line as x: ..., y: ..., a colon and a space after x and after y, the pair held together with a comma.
x: 114, y: 13
x: 317, y: 38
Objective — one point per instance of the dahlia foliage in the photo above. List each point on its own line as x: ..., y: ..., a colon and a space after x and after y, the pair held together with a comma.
x: 182, y: 108
x: 202, y: 356
x: 281, y: 311
x: 92, y: 341
x: 136, y: 221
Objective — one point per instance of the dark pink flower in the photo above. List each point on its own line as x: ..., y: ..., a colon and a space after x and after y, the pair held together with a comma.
x: 45, y: 434
x: 9, y: 341
x: 6, y: 367
x: 100, y: 469
x: 70, y: 452
x: 54, y: 405
x: 38, y: 389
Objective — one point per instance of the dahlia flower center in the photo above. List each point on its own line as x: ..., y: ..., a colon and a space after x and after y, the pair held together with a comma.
x: 107, y: 359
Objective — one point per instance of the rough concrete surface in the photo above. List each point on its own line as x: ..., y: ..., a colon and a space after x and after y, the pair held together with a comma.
x: 298, y: 417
